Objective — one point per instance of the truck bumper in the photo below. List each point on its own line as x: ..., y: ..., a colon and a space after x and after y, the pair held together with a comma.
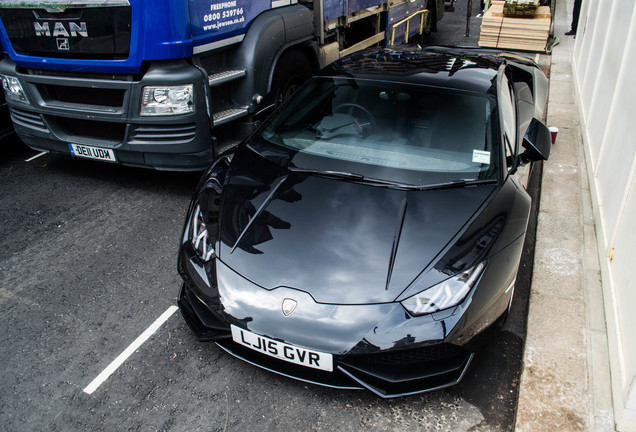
x: 102, y: 111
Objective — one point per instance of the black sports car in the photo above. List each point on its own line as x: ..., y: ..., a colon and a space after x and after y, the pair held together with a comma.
x: 373, y: 225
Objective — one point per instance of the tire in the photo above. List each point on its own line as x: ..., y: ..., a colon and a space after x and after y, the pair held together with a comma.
x: 422, y: 39
x: 503, y: 319
x: 433, y: 15
x: 292, y: 70
x: 428, y: 26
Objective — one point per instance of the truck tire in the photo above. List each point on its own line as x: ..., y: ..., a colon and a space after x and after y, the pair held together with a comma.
x: 428, y: 26
x: 293, y: 69
x: 433, y: 17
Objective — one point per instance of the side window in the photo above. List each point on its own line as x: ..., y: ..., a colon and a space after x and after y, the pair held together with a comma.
x: 508, y: 120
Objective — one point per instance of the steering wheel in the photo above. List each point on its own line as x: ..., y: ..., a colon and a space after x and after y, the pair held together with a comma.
x: 350, y: 107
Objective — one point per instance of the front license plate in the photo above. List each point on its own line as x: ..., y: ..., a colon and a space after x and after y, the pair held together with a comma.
x: 89, y: 152
x: 283, y: 351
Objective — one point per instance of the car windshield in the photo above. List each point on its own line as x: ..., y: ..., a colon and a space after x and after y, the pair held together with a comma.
x: 388, y: 130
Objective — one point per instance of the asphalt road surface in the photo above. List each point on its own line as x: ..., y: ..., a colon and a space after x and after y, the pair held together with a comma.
x: 88, y: 264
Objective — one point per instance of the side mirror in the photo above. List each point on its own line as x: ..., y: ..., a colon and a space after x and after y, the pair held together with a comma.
x: 267, y: 104
x: 537, y: 142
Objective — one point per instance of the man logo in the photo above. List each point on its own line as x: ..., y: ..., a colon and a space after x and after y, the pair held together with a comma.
x: 73, y: 30
x: 289, y: 306
x: 62, y: 44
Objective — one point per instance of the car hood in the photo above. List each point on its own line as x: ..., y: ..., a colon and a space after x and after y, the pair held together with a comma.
x: 339, y: 241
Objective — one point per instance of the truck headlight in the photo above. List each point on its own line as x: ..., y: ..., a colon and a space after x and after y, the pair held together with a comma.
x: 13, y: 89
x: 444, y: 295
x: 167, y: 100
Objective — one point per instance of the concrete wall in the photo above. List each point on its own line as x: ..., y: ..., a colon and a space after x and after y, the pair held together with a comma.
x: 604, y: 75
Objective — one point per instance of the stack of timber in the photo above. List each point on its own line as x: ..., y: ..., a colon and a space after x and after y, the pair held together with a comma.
x: 520, y: 8
x: 528, y: 34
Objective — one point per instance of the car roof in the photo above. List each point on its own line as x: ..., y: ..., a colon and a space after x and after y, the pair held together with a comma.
x: 452, y: 68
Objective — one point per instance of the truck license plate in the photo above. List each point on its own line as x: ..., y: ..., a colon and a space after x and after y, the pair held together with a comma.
x: 89, y: 152
x: 283, y: 351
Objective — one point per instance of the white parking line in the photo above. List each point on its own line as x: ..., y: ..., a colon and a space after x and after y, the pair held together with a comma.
x: 36, y: 156
x: 121, y: 358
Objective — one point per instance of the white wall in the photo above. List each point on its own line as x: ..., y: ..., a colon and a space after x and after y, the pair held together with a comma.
x: 604, y: 72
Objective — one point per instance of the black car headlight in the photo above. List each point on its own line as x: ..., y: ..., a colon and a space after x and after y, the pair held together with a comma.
x: 444, y: 295
x: 200, y: 237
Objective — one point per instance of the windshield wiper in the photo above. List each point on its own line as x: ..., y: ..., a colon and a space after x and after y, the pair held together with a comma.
x: 349, y: 176
x: 359, y: 178
x: 455, y: 183
x: 344, y: 175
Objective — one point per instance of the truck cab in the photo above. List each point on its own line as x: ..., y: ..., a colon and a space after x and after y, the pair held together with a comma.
x: 168, y: 84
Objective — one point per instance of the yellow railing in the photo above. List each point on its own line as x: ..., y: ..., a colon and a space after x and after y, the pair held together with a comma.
x: 407, y: 21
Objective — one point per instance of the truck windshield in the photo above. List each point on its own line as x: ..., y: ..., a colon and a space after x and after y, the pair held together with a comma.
x: 386, y: 129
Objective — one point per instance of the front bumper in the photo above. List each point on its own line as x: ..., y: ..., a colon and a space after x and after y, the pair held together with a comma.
x: 387, y: 374
x: 378, y: 347
x: 102, y: 110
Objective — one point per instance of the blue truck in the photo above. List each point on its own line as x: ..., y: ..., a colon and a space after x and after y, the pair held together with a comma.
x: 169, y: 84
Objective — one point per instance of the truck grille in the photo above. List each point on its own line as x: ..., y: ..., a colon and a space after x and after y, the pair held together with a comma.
x: 91, y: 129
x: 165, y: 133
x: 102, y: 97
x: 28, y: 119
x: 82, y: 32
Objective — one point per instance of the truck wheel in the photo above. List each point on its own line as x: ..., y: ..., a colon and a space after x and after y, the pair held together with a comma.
x: 428, y: 26
x: 421, y: 39
x: 293, y: 69
x: 434, y: 18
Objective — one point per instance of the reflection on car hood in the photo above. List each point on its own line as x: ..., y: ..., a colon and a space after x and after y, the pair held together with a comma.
x: 342, y: 242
